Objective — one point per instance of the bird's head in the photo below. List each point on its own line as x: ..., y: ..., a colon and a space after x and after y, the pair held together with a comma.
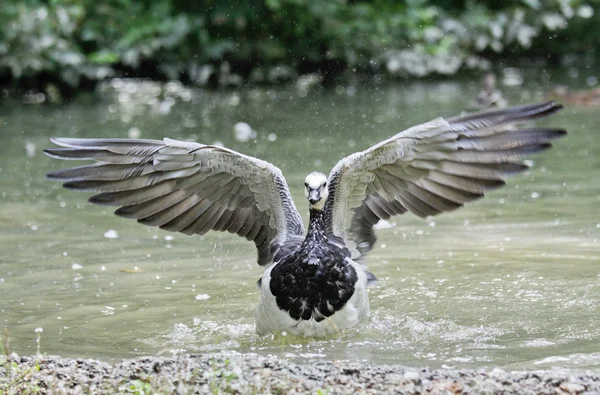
x: 315, y: 189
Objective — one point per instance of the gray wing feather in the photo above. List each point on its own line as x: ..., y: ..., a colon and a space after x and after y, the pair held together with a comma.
x: 184, y: 187
x: 431, y: 168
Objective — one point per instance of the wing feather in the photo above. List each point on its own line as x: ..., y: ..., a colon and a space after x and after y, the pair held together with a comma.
x: 137, y: 196
x: 185, y: 219
x: 184, y: 187
x: 154, y: 206
x: 431, y: 168
x: 167, y: 214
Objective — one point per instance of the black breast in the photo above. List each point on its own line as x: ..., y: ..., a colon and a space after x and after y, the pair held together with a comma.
x: 313, y: 282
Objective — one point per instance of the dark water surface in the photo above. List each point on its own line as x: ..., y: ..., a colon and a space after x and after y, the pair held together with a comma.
x: 512, y: 280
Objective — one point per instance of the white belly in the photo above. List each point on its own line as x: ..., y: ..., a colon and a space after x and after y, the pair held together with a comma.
x: 270, y: 318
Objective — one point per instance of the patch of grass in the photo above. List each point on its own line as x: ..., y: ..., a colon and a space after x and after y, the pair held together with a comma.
x: 140, y: 387
x: 221, y: 378
x: 283, y: 338
x: 5, y: 346
x: 15, y: 378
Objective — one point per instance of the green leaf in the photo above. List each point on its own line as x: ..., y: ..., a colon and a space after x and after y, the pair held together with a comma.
x: 104, y: 57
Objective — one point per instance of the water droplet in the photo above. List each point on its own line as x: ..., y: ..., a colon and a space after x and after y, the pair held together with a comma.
x: 134, y: 133
x: 29, y: 149
x: 76, y: 266
x: 202, y: 297
x: 243, y: 132
x: 111, y: 234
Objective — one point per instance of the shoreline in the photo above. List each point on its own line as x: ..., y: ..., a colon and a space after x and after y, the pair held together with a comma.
x: 237, y: 373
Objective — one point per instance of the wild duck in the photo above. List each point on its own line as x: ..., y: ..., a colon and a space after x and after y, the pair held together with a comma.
x: 314, y: 284
x: 590, y: 97
x: 489, y: 96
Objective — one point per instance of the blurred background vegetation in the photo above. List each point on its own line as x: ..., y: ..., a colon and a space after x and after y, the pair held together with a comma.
x: 75, y: 43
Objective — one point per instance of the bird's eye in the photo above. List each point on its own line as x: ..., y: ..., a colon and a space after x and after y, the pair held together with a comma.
x: 306, y: 184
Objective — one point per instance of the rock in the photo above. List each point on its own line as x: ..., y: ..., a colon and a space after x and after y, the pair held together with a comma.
x: 572, y: 388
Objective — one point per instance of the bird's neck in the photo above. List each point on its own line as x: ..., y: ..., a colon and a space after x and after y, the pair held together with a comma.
x: 316, y: 227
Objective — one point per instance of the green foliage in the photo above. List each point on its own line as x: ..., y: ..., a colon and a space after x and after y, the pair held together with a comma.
x: 17, y: 379
x: 73, y: 41
x: 140, y: 387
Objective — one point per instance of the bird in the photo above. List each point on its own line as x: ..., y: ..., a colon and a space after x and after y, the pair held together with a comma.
x: 489, y: 96
x: 590, y: 97
x: 315, y: 282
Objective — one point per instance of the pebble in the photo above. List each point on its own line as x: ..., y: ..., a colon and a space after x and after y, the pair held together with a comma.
x: 411, y: 375
x: 572, y: 388
x: 232, y: 372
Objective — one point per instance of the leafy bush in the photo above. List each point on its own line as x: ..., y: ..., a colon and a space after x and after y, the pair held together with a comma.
x: 88, y: 40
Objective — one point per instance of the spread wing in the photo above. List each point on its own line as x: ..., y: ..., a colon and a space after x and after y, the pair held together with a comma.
x: 431, y: 168
x: 184, y: 187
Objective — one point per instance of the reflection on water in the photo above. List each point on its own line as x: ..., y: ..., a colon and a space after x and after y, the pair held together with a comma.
x: 512, y: 280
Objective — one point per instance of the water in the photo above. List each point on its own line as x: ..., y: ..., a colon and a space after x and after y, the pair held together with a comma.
x: 512, y: 280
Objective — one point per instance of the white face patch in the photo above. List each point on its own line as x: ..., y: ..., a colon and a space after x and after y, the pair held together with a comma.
x: 316, y: 189
x: 315, y: 179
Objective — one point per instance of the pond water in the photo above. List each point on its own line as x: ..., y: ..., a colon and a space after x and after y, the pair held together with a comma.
x: 512, y: 280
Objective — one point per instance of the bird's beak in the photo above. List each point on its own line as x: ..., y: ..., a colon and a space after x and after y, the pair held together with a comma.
x: 314, y: 196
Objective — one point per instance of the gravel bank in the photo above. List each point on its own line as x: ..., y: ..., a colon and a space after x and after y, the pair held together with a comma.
x: 252, y: 374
